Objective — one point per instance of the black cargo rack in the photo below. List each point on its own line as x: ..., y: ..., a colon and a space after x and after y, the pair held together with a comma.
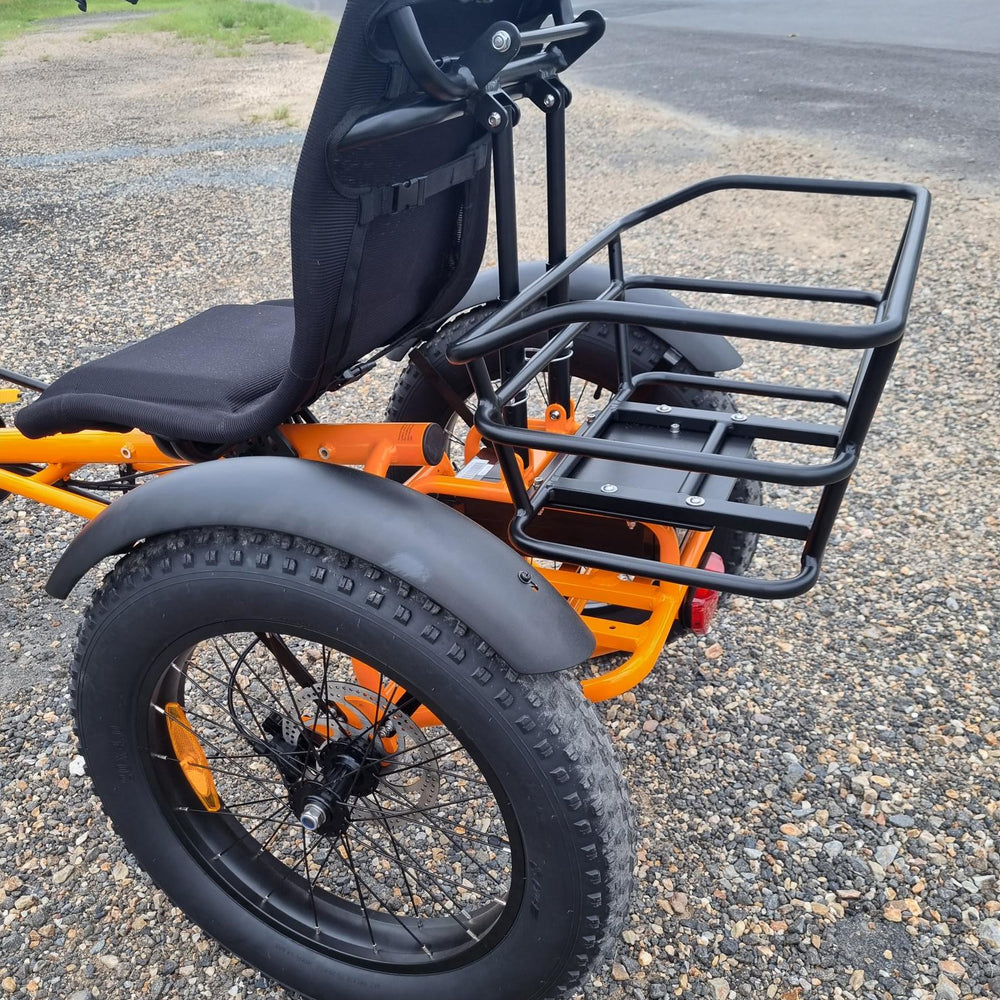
x: 702, y: 451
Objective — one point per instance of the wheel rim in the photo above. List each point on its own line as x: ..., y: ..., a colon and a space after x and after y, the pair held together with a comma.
x: 422, y: 872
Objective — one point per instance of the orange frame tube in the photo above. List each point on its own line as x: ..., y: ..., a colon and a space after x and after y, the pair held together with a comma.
x: 377, y: 447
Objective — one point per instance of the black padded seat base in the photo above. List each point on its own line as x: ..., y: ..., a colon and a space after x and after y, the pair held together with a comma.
x: 212, y: 378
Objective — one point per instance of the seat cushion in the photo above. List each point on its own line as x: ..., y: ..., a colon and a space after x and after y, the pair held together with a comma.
x: 203, y: 380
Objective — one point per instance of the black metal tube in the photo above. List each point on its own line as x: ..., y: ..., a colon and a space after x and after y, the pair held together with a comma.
x: 24, y: 381
x: 488, y: 338
x: 712, y: 445
x: 555, y: 191
x: 616, y: 266
x: 787, y: 473
x: 423, y: 69
x: 508, y: 462
x: 508, y: 266
x: 828, y: 335
x: 556, y: 33
x: 545, y: 354
x: 769, y: 389
x: 541, y: 64
x: 747, y: 586
x: 808, y: 293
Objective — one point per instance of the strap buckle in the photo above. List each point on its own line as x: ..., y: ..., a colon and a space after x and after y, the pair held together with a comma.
x: 409, y: 194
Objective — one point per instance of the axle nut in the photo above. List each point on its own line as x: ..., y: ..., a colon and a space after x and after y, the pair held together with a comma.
x: 501, y: 41
x: 313, y: 816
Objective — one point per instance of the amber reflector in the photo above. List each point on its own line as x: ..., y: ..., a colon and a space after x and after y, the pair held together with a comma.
x: 192, y: 758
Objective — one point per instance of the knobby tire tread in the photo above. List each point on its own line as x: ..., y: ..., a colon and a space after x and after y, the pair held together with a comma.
x: 568, y: 733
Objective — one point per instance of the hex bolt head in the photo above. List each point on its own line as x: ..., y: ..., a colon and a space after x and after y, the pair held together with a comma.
x: 501, y: 41
x: 675, y: 428
x: 663, y: 408
x: 695, y: 501
x: 494, y: 119
x: 549, y: 101
x: 609, y: 488
x: 739, y: 417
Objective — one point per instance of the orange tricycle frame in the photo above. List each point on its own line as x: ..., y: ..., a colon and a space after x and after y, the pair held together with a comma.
x: 42, y: 470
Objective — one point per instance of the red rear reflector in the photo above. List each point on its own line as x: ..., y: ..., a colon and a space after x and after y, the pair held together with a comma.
x: 705, y: 602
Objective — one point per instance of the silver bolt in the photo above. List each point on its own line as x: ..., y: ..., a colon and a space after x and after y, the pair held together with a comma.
x: 313, y: 816
x: 555, y: 415
x: 675, y: 428
x: 501, y: 41
x: 494, y: 119
x: 324, y: 453
x: 609, y: 488
x: 739, y: 417
x: 549, y: 101
x: 695, y: 501
x: 663, y: 408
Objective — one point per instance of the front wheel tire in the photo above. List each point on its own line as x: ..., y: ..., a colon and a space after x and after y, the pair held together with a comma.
x: 470, y: 832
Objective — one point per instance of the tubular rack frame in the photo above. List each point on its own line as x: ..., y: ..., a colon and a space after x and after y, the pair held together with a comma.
x: 700, y: 499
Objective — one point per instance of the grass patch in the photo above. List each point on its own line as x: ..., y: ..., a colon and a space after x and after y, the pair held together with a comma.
x: 280, y: 113
x: 19, y: 16
x: 226, y: 25
x: 230, y: 25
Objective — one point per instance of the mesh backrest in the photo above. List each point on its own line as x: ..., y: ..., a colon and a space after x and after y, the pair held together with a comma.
x: 360, y: 281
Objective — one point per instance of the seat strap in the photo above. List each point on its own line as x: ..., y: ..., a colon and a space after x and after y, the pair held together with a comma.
x: 392, y: 198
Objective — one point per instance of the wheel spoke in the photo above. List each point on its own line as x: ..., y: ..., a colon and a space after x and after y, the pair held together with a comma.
x: 414, y: 866
x: 361, y: 897
x: 251, y: 832
x: 458, y: 776
x: 408, y: 856
x: 305, y: 869
x: 399, y: 861
x: 212, y: 769
x: 443, y: 831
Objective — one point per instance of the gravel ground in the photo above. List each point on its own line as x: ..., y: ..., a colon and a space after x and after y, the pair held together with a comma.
x: 816, y: 781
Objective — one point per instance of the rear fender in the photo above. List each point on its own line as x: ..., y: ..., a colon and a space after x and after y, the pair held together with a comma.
x: 452, y: 560
x: 708, y: 353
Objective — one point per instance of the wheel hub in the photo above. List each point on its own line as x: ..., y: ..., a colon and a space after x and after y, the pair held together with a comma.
x: 350, y: 769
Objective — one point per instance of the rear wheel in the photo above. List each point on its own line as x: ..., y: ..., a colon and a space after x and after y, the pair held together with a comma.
x: 418, y: 397
x: 341, y: 781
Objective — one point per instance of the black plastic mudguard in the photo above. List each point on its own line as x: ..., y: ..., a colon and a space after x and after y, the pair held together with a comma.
x: 709, y: 353
x: 450, y: 558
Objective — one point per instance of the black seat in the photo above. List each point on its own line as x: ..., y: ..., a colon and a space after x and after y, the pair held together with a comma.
x: 212, y: 378
x: 384, y: 238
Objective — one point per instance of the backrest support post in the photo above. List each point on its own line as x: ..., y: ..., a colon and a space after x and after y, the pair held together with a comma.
x: 505, y: 201
x: 555, y: 188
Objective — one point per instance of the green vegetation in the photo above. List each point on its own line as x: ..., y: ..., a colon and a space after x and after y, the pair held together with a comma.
x: 280, y: 113
x: 226, y: 25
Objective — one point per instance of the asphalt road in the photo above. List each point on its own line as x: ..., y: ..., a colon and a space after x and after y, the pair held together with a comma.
x: 913, y: 81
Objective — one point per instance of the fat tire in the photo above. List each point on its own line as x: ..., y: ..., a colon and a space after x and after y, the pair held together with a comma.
x: 539, y: 731
x: 416, y: 399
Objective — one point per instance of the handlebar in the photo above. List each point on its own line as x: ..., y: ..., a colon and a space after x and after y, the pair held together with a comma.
x: 493, y: 60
